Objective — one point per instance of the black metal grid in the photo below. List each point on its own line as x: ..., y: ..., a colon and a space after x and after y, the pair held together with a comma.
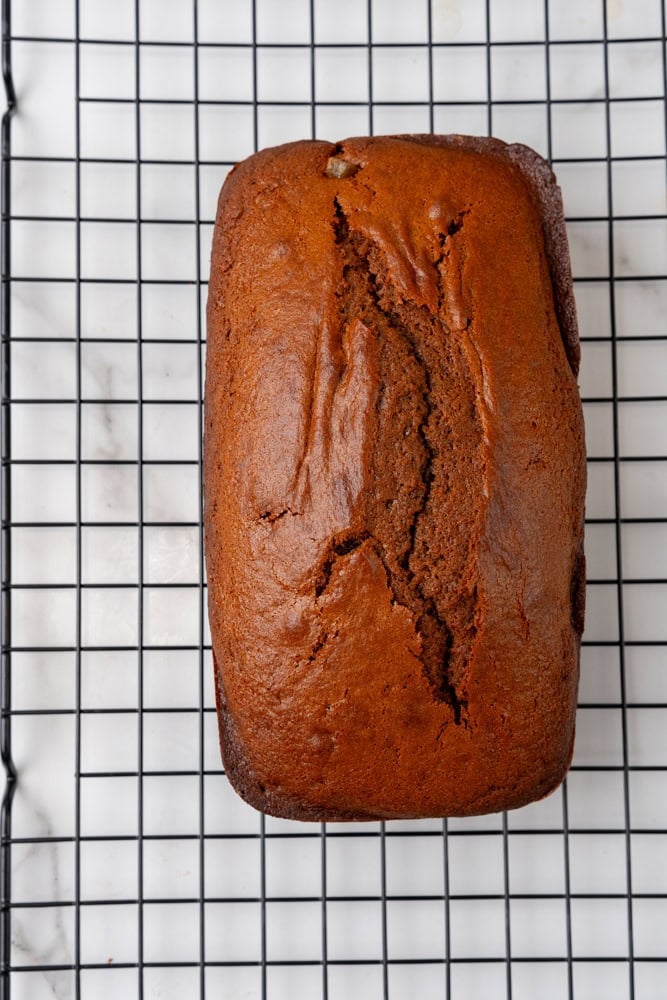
x: 578, y: 966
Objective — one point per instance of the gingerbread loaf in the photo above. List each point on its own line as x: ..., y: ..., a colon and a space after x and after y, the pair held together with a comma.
x: 394, y: 478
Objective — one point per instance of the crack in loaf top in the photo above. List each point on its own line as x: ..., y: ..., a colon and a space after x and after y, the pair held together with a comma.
x: 389, y: 476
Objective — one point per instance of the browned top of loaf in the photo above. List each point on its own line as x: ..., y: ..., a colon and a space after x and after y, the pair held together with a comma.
x: 394, y: 475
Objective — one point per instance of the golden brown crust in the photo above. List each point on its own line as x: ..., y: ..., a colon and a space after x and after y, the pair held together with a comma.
x: 394, y: 478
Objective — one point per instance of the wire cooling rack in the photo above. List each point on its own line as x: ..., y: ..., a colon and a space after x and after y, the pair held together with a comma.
x: 129, y: 867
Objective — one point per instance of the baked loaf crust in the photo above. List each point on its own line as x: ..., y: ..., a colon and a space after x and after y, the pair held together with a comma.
x: 394, y: 478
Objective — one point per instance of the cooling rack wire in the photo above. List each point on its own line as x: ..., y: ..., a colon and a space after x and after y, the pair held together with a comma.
x: 129, y: 868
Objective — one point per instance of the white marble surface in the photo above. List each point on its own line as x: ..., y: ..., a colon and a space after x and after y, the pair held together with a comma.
x: 165, y: 375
